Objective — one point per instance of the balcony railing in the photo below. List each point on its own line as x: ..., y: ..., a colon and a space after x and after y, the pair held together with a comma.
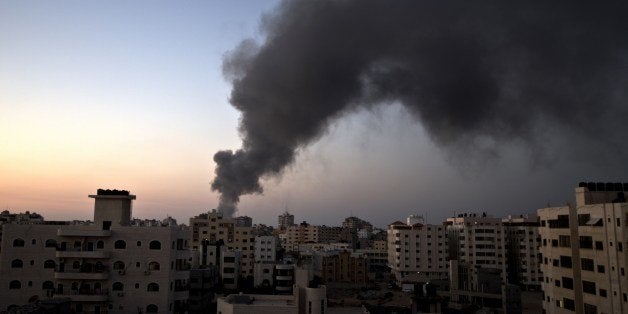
x: 77, y: 253
x: 82, y: 275
x: 84, y: 295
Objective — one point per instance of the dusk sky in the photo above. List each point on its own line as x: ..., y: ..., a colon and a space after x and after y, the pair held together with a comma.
x: 132, y: 95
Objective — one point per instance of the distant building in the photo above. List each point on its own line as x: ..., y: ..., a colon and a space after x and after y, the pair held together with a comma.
x: 522, y: 251
x: 584, y: 258
x: 109, y: 265
x: 417, y: 251
x: 345, y: 267
x: 285, y: 220
x: 211, y: 233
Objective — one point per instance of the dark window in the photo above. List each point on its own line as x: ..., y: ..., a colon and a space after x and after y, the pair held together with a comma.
x: 600, y: 268
x: 569, y: 304
x: 18, y: 243
x: 153, y: 266
x: 17, y: 263
x: 117, y: 286
x: 599, y: 245
x: 47, y: 285
x: 587, y: 264
x: 567, y: 283
x: 590, y: 309
x: 155, y: 245
x: 120, y: 244
x: 50, y: 243
x: 100, y: 244
x: 15, y: 284
x: 118, y: 265
x: 152, y: 287
x: 565, y: 261
x: 49, y: 264
x: 152, y: 308
x: 139, y: 243
x: 603, y: 293
x: 586, y: 242
x: 588, y: 287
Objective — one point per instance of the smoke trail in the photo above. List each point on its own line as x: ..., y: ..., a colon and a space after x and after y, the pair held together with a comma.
x: 465, y: 69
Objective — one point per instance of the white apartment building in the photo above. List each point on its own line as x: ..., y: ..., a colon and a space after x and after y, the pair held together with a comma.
x: 265, y: 259
x: 477, y: 239
x: 108, y: 266
x: 584, y: 253
x: 417, y: 252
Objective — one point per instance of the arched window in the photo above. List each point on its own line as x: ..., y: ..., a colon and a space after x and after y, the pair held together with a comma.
x: 47, y: 285
x: 153, y: 266
x: 152, y: 287
x: 15, y: 284
x: 118, y: 265
x: 120, y: 244
x: 51, y: 243
x: 18, y: 243
x: 152, y: 308
x: 139, y: 243
x: 49, y: 264
x: 100, y: 244
x: 17, y: 263
x: 117, y: 286
x: 155, y: 245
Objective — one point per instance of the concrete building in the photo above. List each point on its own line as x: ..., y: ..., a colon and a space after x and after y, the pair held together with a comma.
x: 345, y: 267
x: 418, y: 250
x: 522, y: 251
x: 230, y: 268
x: 300, y: 234
x: 584, y: 261
x: 211, y: 233
x: 305, y: 297
x: 285, y: 220
x: 108, y: 266
x: 265, y: 260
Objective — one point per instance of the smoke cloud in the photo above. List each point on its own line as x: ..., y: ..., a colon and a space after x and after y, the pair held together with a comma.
x: 468, y: 71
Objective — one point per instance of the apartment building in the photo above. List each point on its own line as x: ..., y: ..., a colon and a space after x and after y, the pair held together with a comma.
x: 265, y: 260
x: 113, y: 265
x: 300, y: 234
x: 584, y: 258
x: 522, y: 251
x: 419, y: 250
x: 211, y: 233
x: 345, y: 267
x: 285, y: 220
x: 477, y: 239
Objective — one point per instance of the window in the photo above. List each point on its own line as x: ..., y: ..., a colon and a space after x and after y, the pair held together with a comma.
x: 565, y: 261
x: 155, y: 245
x: 567, y: 283
x: 600, y: 269
x: 569, y: 304
x: 599, y: 245
x: 100, y: 244
x: 47, y: 285
x: 590, y: 309
x: 586, y: 242
x: 152, y: 287
x: 152, y: 308
x: 120, y: 244
x: 139, y: 243
x: 18, y: 243
x: 117, y: 286
x: 51, y: 243
x: 49, y: 264
x: 17, y: 263
x: 564, y: 241
x: 153, y: 266
x: 118, y: 265
x: 15, y: 284
x: 603, y: 293
x: 588, y: 287
x: 587, y: 264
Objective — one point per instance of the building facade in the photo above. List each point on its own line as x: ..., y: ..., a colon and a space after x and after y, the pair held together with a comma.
x: 584, y: 254
x: 113, y: 265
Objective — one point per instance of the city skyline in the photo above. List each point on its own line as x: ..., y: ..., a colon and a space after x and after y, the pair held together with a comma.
x: 132, y: 96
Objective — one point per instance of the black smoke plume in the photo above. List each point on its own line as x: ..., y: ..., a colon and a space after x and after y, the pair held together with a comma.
x: 467, y: 70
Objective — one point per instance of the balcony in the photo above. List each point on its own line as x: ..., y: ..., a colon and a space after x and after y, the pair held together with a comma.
x: 83, y: 295
x: 81, y: 254
x: 71, y: 232
x: 82, y: 275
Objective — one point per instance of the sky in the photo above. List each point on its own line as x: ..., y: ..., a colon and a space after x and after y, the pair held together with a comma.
x: 131, y: 95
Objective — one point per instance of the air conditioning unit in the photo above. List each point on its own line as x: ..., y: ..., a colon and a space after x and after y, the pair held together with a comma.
x: 120, y: 294
x: 121, y: 272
